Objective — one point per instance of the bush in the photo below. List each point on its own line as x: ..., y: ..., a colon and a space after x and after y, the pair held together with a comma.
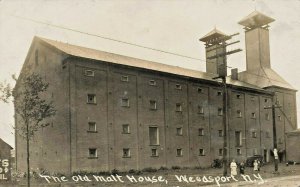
x: 115, y: 172
x: 162, y: 168
x: 149, y: 169
x: 175, y: 167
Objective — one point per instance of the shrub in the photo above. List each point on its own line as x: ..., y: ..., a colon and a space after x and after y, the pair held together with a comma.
x: 149, y: 169
x: 175, y: 167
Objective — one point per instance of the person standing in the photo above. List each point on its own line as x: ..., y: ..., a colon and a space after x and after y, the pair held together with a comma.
x: 242, y: 168
x: 233, y: 168
x: 255, y: 164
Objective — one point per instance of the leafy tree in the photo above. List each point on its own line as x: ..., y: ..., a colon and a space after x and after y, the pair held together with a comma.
x: 32, y: 109
x: 5, y: 92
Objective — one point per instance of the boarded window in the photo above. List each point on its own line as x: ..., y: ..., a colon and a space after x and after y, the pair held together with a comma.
x: 92, y: 127
x: 153, y: 105
x: 179, y: 131
x: 200, y: 109
x: 178, y: 107
x: 124, y: 78
x: 153, y: 135
x: 238, y: 138
x: 201, y: 152
x: 238, y: 151
x: 125, y: 102
x: 154, y: 152
x: 126, y: 152
x: 89, y: 73
x: 221, y: 133
x: 220, y: 152
x: 220, y: 111
x: 179, y: 152
x: 92, y: 152
x: 125, y: 129
x: 201, y: 132
x: 91, y: 98
x: 152, y: 83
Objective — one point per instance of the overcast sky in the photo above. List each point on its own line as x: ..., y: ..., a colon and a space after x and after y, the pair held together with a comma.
x: 173, y: 26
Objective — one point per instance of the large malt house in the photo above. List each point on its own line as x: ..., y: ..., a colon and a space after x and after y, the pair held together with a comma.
x: 118, y: 112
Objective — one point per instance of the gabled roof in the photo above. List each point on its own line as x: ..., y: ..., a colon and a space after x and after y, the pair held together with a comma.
x: 256, y: 19
x: 4, y: 143
x: 134, y: 62
x: 263, y: 78
x: 215, y: 33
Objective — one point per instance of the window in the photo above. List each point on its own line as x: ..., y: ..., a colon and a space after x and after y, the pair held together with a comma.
x: 124, y: 78
x: 266, y: 100
x: 267, y: 116
x: 126, y: 153
x: 154, y: 152
x: 254, y: 134
x: 200, y: 109
x: 125, y: 102
x: 279, y: 118
x: 125, y: 129
x: 201, y: 152
x: 179, y: 131
x: 153, y: 135
x: 219, y: 93
x: 239, y: 113
x: 153, y: 105
x: 89, y: 73
x: 253, y: 115
x: 238, y: 138
x: 220, y: 111
x: 199, y: 90
x: 92, y: 153
x: 220, y: 152
x: 252, y: 98
x: 179, y: 152
x: 238, y: 96
x: 92, y: 127
x: 178, y: 87
x: 201, y: 132
x: 238, y: 151
x: 91, y: 99
x: 152, y: 83
x: 178, y: 107
x: 221, y: 133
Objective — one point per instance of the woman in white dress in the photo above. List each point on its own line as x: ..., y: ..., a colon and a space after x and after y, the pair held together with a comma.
x: 233, y: 168
x: 255, y: 164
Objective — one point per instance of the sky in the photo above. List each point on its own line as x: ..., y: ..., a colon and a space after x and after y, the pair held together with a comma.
x: 170, y: 25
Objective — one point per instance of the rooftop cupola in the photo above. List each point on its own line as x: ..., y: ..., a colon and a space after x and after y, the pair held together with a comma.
x: 257, y: 40
x: 214, y: 46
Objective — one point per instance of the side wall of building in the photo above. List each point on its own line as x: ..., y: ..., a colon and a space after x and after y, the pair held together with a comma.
x: 50, y: 146
x: 187, y: 119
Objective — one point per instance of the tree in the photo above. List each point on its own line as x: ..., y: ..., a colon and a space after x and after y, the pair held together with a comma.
x: 5, y: 92
x: 32, y: 109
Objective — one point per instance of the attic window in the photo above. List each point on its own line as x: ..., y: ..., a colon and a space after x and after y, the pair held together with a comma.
x: 89, y: 73
x: 219, y: 93
x: 178, y: 87
x: 124, y: 78
x: 238, y: 96
x: 199, y: 90
x: 152, y: 83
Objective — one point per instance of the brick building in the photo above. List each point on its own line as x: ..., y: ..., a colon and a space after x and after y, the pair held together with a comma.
x: 120, y: 112
x: 5, y: 161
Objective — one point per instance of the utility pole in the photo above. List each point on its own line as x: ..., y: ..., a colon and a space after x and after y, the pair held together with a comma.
x: 222, y: 72
x: 273, y: 107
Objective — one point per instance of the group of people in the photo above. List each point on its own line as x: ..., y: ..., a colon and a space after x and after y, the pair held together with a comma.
x: 234, y: 167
